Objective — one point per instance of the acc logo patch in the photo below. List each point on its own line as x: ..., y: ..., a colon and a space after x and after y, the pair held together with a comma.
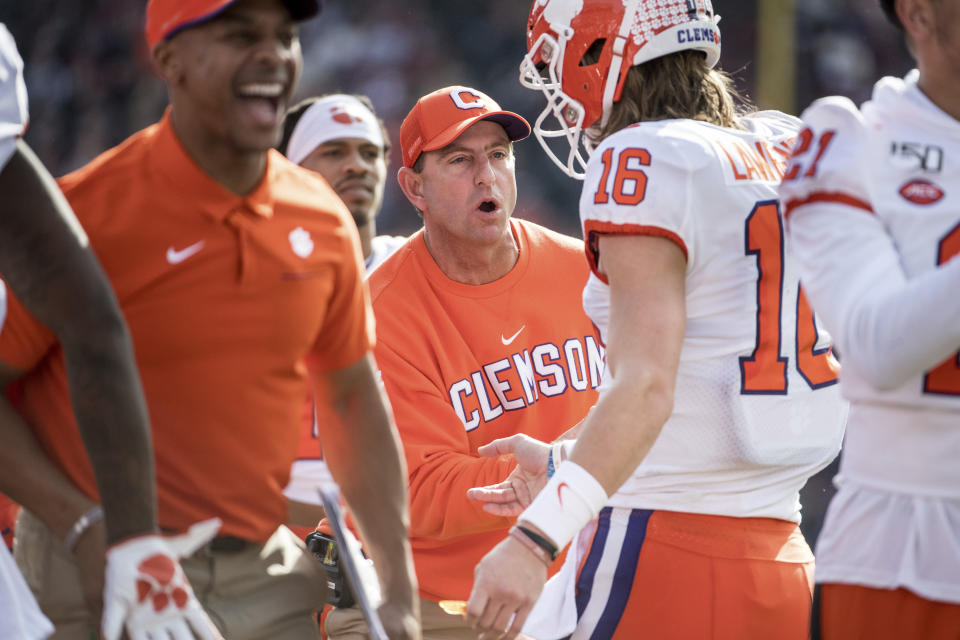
x: 922, y: 192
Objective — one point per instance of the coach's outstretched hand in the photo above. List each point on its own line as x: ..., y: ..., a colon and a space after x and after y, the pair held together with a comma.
x: 147, y: 592
x: 510, y: 497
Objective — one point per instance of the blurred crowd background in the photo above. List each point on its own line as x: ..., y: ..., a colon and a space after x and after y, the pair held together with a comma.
x: 91, y: 86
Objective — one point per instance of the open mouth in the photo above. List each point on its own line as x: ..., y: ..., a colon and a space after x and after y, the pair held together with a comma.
x: 488, y: 206
x: 263, y: 101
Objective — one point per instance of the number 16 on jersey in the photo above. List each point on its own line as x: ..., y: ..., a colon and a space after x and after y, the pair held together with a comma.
x: 765, y: 370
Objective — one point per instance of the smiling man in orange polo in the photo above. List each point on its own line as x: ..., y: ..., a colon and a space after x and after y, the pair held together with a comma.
x: 240, y: 277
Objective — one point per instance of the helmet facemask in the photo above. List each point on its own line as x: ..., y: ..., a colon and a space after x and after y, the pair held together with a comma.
x: 589, y: 66
x: 540, y: 69
x: 579, y: 53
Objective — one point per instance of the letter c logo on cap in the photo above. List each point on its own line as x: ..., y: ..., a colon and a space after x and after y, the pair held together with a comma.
x: 457, y: 98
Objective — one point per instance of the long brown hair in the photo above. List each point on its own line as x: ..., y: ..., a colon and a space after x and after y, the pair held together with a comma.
x: 678, y: 85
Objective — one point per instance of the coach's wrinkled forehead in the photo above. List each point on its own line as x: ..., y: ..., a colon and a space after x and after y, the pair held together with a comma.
x: 166, y: 18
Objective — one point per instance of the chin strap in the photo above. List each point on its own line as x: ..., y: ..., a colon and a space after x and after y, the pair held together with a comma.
x: 613, y: 73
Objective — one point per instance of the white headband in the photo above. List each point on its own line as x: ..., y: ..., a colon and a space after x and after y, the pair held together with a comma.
x: 331, y: 118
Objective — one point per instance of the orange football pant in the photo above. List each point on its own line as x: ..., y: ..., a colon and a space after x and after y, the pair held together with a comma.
x: 853, y: 612
x: 662, y: 574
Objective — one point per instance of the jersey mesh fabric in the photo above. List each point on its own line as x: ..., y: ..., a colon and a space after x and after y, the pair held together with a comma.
x: 464, y: 365
x: 230, y: 300
x: 862, y: 233
x: 726, y: 449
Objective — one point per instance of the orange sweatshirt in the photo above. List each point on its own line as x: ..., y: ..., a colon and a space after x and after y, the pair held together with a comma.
x: 464, y: 365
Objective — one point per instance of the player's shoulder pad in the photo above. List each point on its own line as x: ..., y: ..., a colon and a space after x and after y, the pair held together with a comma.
x: 639, y: 178
x: 827, y: 160
x: 665, y: 152
x: 833, y: 112
x: 679, y: 144
x: 839, y: 119
x: 771, y: 124
x: 838, y: 129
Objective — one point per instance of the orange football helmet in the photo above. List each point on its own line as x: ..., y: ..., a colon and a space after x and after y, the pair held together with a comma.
x: 579, y: 52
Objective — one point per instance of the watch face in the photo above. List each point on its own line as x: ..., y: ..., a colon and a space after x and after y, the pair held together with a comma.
x: 324, y: 548
x: 329, y: 553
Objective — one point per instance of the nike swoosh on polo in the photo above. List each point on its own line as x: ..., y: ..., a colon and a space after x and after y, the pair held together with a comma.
x: 507, y: 341
x: 176, y: 257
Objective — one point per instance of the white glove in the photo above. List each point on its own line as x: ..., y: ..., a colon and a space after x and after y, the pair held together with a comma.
x: 146, y: 588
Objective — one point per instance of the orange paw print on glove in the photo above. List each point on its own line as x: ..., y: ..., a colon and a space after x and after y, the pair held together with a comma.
x: 156, y: 582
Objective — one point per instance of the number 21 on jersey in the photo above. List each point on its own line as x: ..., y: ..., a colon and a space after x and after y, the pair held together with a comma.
x: 944, y: 379
x: 765, y: 370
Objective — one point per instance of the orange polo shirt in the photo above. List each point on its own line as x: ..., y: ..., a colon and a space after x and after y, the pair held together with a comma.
x: 227, y: 298
x: 464, y: 365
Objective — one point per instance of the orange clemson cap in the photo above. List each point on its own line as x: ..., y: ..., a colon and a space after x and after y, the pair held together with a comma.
x: 166, y: 18
x: 440, y: 117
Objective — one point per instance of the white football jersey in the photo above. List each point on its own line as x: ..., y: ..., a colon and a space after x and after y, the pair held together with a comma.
x: 873, y: 218
x: 756, y: 408
x: 893, y: 179
x: 13, y: 96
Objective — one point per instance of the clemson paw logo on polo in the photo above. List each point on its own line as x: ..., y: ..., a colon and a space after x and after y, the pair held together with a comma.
x: 301, y: 242
x: 155, y: 583
x: 339, y: 114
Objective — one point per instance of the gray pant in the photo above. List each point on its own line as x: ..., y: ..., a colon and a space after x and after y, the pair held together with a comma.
x: 264, y: 592
x: 348, y: 624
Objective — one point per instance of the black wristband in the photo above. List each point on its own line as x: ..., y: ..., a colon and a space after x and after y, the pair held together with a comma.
x: 540, y: 541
